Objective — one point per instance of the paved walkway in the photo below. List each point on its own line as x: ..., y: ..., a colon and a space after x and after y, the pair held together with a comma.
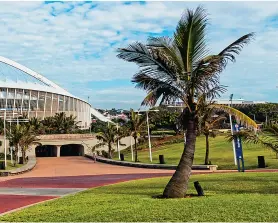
x: 55, y: 177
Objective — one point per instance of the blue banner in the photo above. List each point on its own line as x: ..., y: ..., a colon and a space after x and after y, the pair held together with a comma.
x: 238, y: 144
x: 238, y: 148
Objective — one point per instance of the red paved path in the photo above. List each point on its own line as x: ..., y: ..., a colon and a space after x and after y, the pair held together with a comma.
x: 68, y: 172
x: 76, y: 181
x: 10, y: 202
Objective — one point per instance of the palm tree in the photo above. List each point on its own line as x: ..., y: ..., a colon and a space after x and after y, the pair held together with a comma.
x: 36, y: 125
x: 181, y: 68
x: 267, y: 137
x: 108, y: 136
x: 60, y: 123
x: 136, y: 123
x: 207, y: 124
x: 21, y: 137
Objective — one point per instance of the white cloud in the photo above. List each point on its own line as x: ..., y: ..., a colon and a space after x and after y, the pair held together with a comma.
x: 78, y: 46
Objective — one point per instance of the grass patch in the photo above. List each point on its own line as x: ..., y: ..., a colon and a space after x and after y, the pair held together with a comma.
x: 221, y: 154
x: 10, y: 166
x: 243, y: 197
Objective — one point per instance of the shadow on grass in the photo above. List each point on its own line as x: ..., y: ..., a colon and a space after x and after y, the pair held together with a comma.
x: 160, y: 196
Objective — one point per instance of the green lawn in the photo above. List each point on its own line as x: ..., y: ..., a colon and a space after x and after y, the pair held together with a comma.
x: 10, y: 166
x: 221, y: 154
x: 243, y: 197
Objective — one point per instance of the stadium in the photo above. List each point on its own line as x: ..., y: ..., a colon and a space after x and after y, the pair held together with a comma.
x: 26, y: 92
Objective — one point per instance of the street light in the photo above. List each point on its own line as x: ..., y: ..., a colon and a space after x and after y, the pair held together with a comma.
x: 118, y: 141
x: 232, y: 132
x: 5, y: 143
x: 149, y: 136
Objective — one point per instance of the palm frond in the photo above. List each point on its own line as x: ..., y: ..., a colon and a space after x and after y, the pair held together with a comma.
x: 238, y: 115
x: 189, y: 38
x: 228, y: 54
x: 245, y: 136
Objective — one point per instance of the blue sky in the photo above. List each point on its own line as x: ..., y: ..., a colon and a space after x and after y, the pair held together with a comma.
x: 74, y: 44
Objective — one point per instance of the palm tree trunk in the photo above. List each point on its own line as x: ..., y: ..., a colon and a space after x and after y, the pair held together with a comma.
x: 16, y: 154
x: 109, y: 151
x: 207, y: 150
x: 177, y: 186
x: 23, y: 155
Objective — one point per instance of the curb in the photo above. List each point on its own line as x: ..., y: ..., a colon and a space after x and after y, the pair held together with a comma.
x: 150, y: 166
x: 28, y: 167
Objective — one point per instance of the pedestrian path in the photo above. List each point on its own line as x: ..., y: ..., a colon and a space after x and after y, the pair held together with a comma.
x: 56, y: 177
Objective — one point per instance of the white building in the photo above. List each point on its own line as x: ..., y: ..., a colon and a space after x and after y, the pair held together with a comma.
x: 26, y: 92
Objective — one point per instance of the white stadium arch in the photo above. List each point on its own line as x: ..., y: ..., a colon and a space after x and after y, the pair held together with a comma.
x: 38, y: 96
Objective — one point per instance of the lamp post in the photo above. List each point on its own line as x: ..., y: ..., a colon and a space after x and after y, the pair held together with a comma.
x: 5, y: 143
x: 149, y: 135
x: 118, y: 141
x: 232, y: 132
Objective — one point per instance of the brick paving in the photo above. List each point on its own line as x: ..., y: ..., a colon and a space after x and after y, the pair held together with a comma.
x: 12, y: 202
x: 62, y: 173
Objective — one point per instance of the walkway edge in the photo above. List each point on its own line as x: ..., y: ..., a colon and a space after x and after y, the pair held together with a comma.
x: 149, y: 166
x: 28, y: 167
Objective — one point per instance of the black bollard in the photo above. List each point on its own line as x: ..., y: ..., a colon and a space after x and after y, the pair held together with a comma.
x: 122, y: 156
x: 2, y: 165
x: 198, y: 188
x: 161, y: 159
x: 21, y: 160
x: 261, y: 162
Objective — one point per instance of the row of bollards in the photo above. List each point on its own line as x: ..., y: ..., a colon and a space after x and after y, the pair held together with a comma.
x: 161, y: 158
x: 261, y: 161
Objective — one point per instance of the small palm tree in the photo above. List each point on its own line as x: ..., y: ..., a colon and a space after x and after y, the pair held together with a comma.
x: 21, y: 137
x: 207, y: 124
x: 36, y: 125
x: 108, y: 136
x: 136, y: 123
x: 182, y: 68
x: 267, y: 137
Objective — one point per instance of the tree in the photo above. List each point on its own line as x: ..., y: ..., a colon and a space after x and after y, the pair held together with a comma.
x: 181, y: 68
x: 267, y: 137
x: 37, y: 125
x: 208, y: 121
x: 60, y: 123
x: 21, y: 137
x: 135, y: 126
x: 98, y: 126
x: 108, y: 136
x: 165, y: 118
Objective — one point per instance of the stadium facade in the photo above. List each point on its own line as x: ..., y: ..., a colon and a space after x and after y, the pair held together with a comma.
x: 26, y: 92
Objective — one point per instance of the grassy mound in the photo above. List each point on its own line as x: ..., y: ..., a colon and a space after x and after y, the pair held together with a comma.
x: 221, y: 154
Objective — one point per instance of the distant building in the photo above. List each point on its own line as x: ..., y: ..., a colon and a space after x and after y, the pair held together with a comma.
x: 235, y: 102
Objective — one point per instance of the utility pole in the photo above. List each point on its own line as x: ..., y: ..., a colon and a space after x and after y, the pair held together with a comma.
x: 118, y: 141
x: 149, y: 137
